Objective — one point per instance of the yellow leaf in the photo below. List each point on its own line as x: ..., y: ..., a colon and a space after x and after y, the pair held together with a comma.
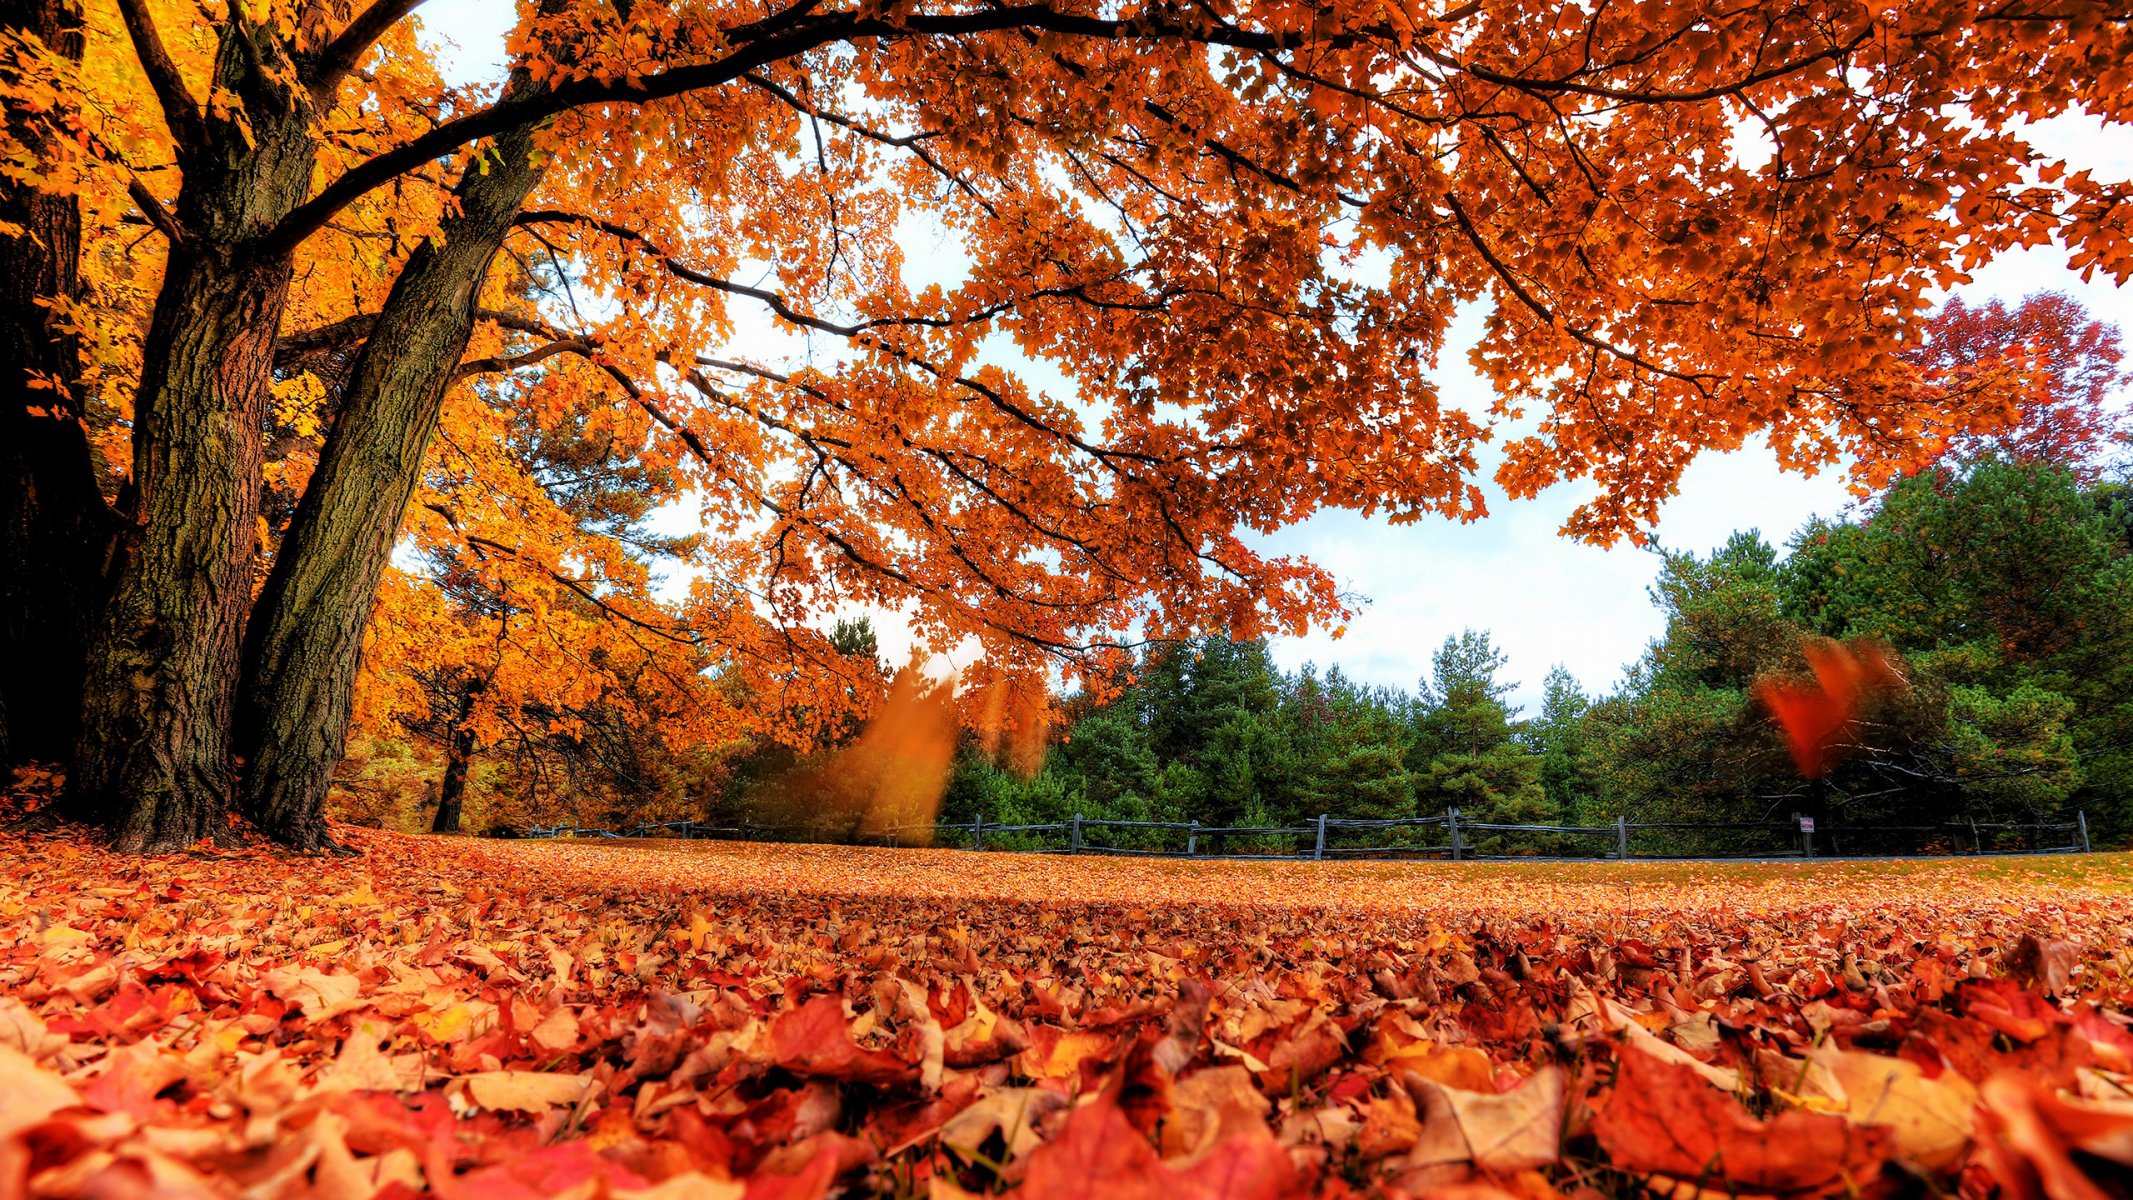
x: 1932, y: 1120
x: 316, y: 993
x: 526, y: 1091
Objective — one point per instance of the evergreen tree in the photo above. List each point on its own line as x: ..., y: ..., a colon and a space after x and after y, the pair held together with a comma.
x: 2010, y: 585
x: 1357, y: 764
x: 1467, y: 736
x: 1558, y: 736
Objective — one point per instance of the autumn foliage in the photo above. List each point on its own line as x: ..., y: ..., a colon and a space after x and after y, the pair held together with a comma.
x: 483, y: 1020
x: 322, y: 337
x: 2052, y: 368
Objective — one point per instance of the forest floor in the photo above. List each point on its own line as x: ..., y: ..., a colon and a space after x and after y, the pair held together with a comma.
x: 478, y: 1018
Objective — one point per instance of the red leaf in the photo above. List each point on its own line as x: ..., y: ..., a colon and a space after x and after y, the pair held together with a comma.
x: 813, y: 1040
x: 1663, y: 1118
x: 1816, y: 716
x: 1099, y: 1153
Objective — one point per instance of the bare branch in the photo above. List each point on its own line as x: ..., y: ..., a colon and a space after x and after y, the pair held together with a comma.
x: 153, y: 209
x: 502, y: 364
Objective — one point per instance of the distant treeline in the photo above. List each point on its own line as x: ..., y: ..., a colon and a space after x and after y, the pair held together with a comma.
x: 2006, y: 589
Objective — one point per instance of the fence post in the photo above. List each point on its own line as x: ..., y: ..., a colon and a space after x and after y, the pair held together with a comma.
x: 977, y: 833
x: 1074, y: 845
x: 1319, y: 851
x: 1622, y: 838
x: 2082, y: 816
x: 1451, y: 818
x: 1977, y: 840
x: 1192, y: 839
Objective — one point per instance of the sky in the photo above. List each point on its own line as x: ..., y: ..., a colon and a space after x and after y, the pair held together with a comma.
x: 1545, y: 599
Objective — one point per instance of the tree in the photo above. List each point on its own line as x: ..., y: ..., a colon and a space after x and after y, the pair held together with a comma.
x: 1109, y: 756
x: 1351, y: 744
x: 55, y: 528
x: 1366, y: 776
x: 1558, y: 735
x: 527, y: 627
x: 1193, y: 688
x: 1998, y: 576
x: 1462, y: 701
x: 1146, y: 195
x: 1682, y: 740
x: 1467, y: 736
x: 1964, y: 723
x: 2057, y: 368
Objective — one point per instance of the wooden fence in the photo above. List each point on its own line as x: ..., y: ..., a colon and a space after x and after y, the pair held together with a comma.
x: 1447, y: 837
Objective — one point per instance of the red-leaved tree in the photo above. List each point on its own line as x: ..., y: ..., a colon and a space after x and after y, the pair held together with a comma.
x: 2055, y: 366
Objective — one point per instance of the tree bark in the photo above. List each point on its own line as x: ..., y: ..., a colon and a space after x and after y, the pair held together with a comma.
x: 152, y: 761
x: 55, y: 529
x: 304, y: 643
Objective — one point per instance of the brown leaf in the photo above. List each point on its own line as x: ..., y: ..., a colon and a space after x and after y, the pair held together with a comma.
x: 1499, y: 1132
x: 1210, y: 1105
x: 1015, y: 1113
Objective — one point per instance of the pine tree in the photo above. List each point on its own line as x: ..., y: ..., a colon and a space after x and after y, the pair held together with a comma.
x: 1558, y: 736
x: 1475, y: 761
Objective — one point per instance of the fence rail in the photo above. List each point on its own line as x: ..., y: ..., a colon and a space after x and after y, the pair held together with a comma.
x: 1316, y: 840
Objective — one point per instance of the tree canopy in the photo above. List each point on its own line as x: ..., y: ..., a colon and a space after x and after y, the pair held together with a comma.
x: 322, y: 301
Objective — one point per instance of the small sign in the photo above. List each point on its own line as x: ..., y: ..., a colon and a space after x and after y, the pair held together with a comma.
x: 1807, y: 824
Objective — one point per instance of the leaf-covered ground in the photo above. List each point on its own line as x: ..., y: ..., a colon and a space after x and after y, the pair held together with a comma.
x: 481, y: 1019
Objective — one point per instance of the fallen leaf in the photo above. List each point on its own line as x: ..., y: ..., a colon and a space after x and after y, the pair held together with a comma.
x: 1663, y: 1119
x: 527, y: 1091
x: 1098, y: 1153
x: 1500, y: 1132
x: 1930, y: 1120
x: 318, y: 994
x: 1014, y: 1113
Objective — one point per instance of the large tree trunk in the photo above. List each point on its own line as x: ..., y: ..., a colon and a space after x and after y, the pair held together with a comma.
x: 55, y: 529
x: 153, y: 761
x: 304, y: 643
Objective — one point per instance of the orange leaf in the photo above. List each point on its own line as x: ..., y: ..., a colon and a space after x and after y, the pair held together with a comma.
x: 1099, y: 1153
x: 813, y: 1040
x: 1664, y: 1119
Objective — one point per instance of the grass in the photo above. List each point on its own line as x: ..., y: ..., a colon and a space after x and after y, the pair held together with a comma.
x: 1509, y: 888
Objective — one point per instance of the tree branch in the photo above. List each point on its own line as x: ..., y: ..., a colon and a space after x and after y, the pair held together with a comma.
x: 339, y: 56
x: 756, y: 48
x: 153, y: 209
x: 180, y: 111
x: 502, y: 364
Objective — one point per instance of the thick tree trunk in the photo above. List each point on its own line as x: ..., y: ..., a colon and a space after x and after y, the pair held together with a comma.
x: 152, y: 761
x: 305, y: 640
x: 55, y: 529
